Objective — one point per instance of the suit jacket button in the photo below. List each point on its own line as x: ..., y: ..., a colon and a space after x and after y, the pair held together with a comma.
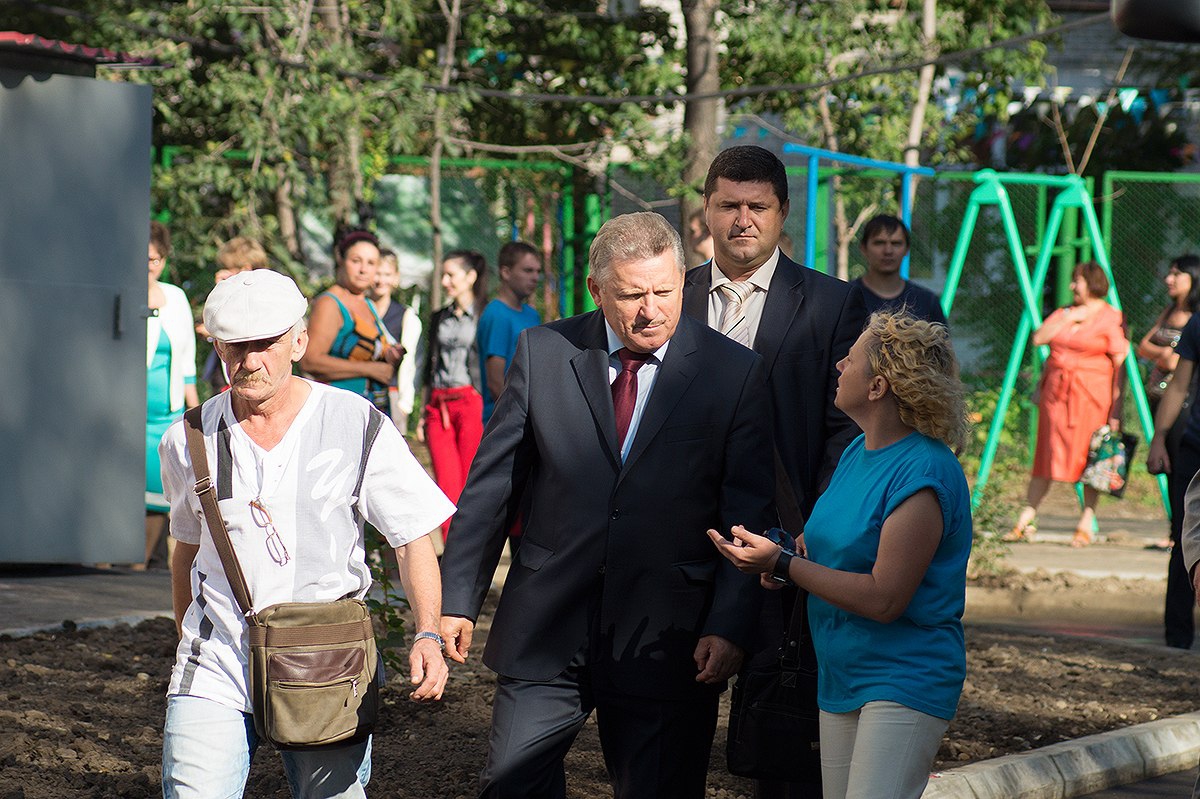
x: 616, y: 514
x: 601, y: 570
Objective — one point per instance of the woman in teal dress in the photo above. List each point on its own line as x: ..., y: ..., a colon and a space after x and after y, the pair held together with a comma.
x: 348, y: 345
x: 170, y: 375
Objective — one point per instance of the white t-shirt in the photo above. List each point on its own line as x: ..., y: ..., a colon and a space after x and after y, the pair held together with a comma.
x: 336, y: 467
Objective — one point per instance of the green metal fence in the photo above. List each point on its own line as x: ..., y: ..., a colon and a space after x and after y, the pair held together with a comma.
x: 485, y: 202
x: 1146, y: 220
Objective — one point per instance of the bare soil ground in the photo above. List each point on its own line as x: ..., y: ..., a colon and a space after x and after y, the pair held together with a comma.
x: 82, y: 712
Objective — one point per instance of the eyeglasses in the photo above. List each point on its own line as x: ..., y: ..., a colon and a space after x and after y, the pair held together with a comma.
x: 262, y: 517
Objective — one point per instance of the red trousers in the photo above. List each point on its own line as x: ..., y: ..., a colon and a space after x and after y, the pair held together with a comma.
x: 453, y: 427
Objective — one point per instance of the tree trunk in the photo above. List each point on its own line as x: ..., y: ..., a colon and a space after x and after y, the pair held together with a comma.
x: 285, y: 212
x: 916, y: 125
x: 343, y: 172
x: 699, y: 116
x: 435, y: 161
x: 840, y: 222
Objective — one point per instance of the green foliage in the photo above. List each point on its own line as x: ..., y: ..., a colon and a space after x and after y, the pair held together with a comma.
x: 387, y: 604
x: 567, y: 48
x: 982, y: 398
x: 994, y: 512
x: 990, y: 521
x: 264, y: 105
x: 807, y: 41
x: 794, y: 41
x: 1151, y: 143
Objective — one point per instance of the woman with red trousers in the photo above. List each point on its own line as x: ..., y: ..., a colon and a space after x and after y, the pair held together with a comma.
x: 453, y: 421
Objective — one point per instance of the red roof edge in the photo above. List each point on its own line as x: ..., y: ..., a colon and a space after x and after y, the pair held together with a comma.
x: 14, y: 41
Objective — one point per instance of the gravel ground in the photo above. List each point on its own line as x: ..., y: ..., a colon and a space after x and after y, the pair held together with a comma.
x: 83, y: 711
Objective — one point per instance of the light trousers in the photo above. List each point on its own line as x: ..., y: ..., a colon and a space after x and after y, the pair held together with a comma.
x: 207, y: 749
x: 883, y: 750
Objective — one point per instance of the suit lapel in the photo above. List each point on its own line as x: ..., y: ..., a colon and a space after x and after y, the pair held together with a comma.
x: 784, y: 297
x: 695, y: 292
x: 675, y: 374
x: 591, y: 370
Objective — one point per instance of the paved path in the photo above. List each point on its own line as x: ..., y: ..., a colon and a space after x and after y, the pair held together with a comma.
x: 43, y: 597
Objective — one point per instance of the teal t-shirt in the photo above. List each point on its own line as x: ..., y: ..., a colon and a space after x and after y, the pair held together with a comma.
x: 918, y: 660
x: 497, y: 332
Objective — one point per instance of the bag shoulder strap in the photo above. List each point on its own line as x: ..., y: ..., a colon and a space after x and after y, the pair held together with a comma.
x: 194, y: 428
x: 797, y: 649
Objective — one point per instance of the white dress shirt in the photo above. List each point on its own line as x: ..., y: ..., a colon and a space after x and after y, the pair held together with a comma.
x: 646, y: 375
x: 753, y: 305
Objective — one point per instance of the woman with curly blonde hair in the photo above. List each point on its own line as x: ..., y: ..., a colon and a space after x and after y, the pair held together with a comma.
x: 884, y: 559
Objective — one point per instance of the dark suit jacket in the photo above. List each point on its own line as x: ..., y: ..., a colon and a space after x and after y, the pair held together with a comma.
x: 809, y: 322
x: 624, y: 541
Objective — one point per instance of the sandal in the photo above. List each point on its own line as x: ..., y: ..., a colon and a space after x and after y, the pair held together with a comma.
x: 1082, y: 538
x: 1019, y: 533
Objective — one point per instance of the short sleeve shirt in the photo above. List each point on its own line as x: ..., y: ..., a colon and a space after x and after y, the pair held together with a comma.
x: 915, y: 300
x: 918, y: 660
x: 338, y: 467
x: 497, y: 334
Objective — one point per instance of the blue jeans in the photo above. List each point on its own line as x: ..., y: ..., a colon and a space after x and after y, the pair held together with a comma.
x: 207, y: 748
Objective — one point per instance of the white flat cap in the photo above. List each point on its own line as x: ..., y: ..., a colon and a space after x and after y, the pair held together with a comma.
x: 253, y: 305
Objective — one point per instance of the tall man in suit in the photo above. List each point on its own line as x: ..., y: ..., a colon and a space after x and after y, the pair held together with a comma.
x: 632, y: 430
x: 800, y: 321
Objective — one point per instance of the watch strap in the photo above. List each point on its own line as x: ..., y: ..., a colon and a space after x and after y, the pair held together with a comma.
x: 779, y: 572
x: 432, y: 636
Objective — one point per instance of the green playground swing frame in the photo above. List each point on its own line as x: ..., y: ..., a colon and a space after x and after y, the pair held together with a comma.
x: 1072, y: 194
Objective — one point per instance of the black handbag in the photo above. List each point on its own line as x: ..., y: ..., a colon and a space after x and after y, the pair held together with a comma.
x: 774, y: 724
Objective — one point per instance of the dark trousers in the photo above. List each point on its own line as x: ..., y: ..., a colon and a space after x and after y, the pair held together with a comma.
x: 653, y: 749
x: 1179, y: 609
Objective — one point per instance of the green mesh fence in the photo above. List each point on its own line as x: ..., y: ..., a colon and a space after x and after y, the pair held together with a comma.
x: 483, y: 205
x: 1149, y: 219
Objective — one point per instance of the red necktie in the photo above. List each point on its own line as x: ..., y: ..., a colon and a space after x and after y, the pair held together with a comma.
x: 624, y: 390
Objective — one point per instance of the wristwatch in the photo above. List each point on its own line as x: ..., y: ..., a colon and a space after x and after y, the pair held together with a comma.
x: 779, y: 573
x: 432, y: 636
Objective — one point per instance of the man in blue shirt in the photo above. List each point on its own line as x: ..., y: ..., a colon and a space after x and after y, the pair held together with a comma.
x: 506, y: 316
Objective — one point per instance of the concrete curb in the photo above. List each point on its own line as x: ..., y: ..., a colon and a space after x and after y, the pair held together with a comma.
x: 1016, y: 605
x: 1079, y: 767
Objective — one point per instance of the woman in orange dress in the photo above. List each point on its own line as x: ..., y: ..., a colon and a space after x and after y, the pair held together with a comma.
x: 1079, y: 394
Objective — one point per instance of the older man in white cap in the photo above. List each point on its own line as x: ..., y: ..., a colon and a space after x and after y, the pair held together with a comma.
x: 298, y: 468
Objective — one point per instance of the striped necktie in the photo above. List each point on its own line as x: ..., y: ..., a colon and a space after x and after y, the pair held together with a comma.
x: 733, y: 319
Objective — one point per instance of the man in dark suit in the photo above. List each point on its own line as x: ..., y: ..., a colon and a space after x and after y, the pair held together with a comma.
x: 632, y: 430
x: 800, y: 321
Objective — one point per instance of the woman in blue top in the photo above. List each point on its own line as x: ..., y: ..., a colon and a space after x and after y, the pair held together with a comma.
x: 348, y: 345
x: 884, y: 558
